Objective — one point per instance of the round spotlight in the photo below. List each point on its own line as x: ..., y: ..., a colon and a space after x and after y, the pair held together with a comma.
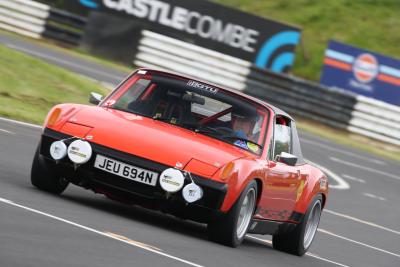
x: 192, y: 192
x: 172, y: 180
x: 58, y: 150
x: 79, y: 151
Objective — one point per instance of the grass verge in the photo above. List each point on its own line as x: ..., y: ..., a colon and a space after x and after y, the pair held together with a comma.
x: 30, y: 87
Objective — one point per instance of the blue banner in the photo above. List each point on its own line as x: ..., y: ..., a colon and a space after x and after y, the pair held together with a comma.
x: 362, y: 72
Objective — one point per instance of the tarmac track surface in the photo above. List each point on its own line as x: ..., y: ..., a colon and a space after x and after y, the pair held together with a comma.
x: 360, y: 226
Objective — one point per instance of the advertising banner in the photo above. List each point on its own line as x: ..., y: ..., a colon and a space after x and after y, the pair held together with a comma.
x: 362, y: 72
x: 266, y: 43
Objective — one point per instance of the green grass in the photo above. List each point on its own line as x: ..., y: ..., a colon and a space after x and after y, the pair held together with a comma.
x: 369, y: 24
x: 30, y: 87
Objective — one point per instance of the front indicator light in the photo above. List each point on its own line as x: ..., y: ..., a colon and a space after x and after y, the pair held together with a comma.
x: 226, y: 173
x: 54, y: 117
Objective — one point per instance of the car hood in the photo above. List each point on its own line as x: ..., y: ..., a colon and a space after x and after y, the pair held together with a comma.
x: 154, y: 140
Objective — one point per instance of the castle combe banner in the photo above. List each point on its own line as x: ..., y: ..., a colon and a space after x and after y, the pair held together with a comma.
x: 266, y: 43
x: 362, y: 72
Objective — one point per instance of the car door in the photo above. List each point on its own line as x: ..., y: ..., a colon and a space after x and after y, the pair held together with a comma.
x: 281, y: 181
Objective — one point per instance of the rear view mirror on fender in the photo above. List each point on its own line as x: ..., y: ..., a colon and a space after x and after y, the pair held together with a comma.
x: 95, y: 98
x: 286, y: 158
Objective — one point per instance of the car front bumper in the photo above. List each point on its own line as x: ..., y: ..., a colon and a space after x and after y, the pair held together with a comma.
x: 132, y: 192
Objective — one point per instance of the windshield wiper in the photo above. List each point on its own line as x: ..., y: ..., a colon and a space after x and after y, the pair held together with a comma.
x: 130, y: 111
x: 234, y: 137
x: 199, y: 128
x: 158, y: 118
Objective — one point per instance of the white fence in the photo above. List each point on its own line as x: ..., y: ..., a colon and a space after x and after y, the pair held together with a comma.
x: 162, y: 52
x: 376, y: 119
x: 36, y: 20
x: 24, y: 17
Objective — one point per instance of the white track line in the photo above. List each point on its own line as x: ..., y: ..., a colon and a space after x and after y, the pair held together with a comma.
x: 61, y: 61
x: 21, y: 123
x: 358, y: 243
x: 343, y: 151
x: 374, y: 196
x: 341, y: 184
x: 361, y: 221
x: 365, y: 168
x: 308, y: 253
x: 106, y: 234
x: 323, y: 259
x: 5, y: 131
x: 353, y: 178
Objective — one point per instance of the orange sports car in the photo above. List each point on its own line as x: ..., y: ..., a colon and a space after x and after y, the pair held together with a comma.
x: 191, y: 149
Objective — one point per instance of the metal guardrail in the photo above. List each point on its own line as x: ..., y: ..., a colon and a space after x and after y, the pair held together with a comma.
x: 38, y: 20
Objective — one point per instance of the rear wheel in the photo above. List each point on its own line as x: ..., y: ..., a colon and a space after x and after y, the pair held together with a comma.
x: 231, y: 229
x: 44, y: 177
x: 299, y: 240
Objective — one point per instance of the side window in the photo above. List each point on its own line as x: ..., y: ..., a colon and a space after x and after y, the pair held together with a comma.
x: 296, y: 145
x: 282, y: 136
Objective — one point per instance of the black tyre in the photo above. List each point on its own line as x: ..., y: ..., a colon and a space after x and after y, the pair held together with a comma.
x: 299, y: 240
x: 44, y: 178
x: 231, y: 229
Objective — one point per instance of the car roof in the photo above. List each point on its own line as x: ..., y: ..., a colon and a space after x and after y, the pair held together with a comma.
x: 275, y: 109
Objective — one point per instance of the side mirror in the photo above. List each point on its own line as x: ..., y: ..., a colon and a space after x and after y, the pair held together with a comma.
x: 286, y: 158
x: 95, y: 98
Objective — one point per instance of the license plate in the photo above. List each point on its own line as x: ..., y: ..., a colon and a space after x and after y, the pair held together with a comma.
x: 127, y: 171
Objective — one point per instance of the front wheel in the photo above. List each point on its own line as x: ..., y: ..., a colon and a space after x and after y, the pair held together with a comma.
x: 299, y: 240
x: 45, y: 178
x: 231, y: 229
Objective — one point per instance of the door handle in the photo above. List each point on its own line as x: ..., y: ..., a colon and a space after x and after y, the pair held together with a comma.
x: 298, y: 174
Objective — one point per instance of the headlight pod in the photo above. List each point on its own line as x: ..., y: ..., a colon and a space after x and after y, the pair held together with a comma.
x: 192, y: 192
x: 172, y: 180
x: 79, y: 152
x: 58, y: 150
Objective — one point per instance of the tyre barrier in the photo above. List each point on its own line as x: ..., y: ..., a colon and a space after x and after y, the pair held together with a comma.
x: 37, y: 20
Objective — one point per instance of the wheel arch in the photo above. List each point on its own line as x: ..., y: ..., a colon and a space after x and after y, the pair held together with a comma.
x: 259, y: 189
x: 323, y: 199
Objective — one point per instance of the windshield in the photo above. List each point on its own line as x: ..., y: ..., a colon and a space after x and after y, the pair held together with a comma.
x: 194, y: 105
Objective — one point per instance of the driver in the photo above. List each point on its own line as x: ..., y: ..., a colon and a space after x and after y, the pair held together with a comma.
x: 243, y: 126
